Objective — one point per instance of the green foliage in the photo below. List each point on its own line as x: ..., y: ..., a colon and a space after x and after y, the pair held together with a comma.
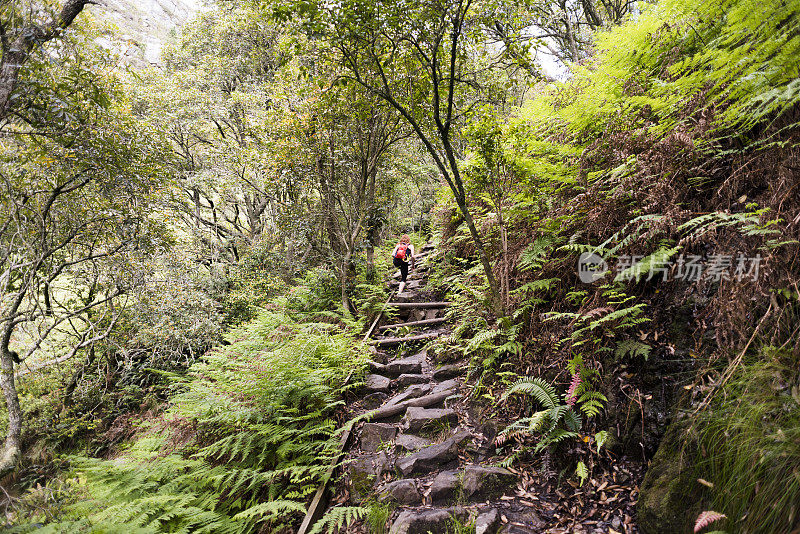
x: 534, y: 256
x: 246, y: 442
x: 543, y: 392
x: 581, y: 472
x: 750, y: 439
x: 600, y: 439
x: 340, y: 517
x: 317, y: 291
x: 632, y: 348
x: 379, y: 515
x: 555, y: 423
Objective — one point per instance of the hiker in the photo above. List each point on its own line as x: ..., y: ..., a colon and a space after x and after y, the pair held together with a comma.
x: 403, y: 253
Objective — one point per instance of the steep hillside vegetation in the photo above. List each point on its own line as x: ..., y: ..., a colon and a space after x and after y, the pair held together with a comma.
x: 194, y: 257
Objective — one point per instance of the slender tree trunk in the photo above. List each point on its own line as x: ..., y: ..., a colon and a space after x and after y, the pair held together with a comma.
x: 504, y: 242
x: 11, y: 447
x: 69, y: 390
x: 484, y: 257
x: 345, y: 276
x: 370, y: 262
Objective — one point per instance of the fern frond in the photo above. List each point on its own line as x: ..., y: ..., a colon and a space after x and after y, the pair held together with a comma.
x: 633, y: 348
x: 339, y: 517
x: 539, y: 389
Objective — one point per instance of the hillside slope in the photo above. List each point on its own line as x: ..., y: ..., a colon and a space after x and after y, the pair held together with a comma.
x: 144, y: 25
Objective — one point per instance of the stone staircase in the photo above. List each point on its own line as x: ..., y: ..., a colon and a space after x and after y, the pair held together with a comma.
x: 418, y: 447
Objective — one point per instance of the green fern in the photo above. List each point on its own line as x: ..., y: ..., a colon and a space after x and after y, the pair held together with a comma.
x: 533, y: 257
x: 535, y: 387
x: 632, y: 348
x: 263, y: 440
x: 338, y: 518
x: 555, y: 423
x: 592, y: 403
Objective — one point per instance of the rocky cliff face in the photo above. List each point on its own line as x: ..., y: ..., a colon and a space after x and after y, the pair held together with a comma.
x: 139, y: 28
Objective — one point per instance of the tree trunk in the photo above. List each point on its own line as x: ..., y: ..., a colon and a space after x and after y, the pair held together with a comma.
x: 345, y: 276
x: 370, y: 262
x: 17, y: 52
x: 504, y: 242
x: 11, y: 448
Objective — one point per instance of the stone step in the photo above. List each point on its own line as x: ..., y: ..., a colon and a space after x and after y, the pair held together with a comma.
x: 432, y: 457
x: 374, y: 400
x: 375, y: 436
x: 487, y: 522
x: 445, y: 487
x: 450, y: 371
x: 364, y: 471
x: 487, y: 482
x: 411, y: 365
x: 404, y: 491
x: 410, y: 442
x: 409, y: 379
x: 432, y: 314
x: 389, y: 341
x: 412, y: 392
x: 414, y: 274
x: 417, y: 419
x: 378, y: 383
x: 414, y: 324
x: 453, y: 383
x: 417, y: 305
x: 400, y: 408
x: 474, y: 482
x: 437, y: 520
x: 405, y: 366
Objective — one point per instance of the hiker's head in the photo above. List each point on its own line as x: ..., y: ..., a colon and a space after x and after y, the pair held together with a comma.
x: 405, y: 239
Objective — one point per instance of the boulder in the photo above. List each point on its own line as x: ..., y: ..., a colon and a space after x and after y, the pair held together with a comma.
x: 487, y: 482
x: 488, y: 522
x: 445, y: 487
x: 403, y: 491
x: 410, y: 442
x: 411, y: 392
x: 375, y: 436
x: 429, y: 418
x: 407, y: 380
x: 670, y: 496
x: 375, y: 383
x: 449, y: 371
x: 431, y: 457
x: 426, y: 521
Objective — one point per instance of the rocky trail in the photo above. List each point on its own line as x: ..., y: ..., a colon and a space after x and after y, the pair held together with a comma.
x: 426, y: 450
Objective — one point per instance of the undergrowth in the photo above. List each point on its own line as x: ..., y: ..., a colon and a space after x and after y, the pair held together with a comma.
x: 750, y: 443
x: 248, y: 438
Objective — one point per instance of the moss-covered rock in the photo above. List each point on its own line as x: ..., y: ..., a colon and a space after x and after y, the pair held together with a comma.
x: 670, y: 498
